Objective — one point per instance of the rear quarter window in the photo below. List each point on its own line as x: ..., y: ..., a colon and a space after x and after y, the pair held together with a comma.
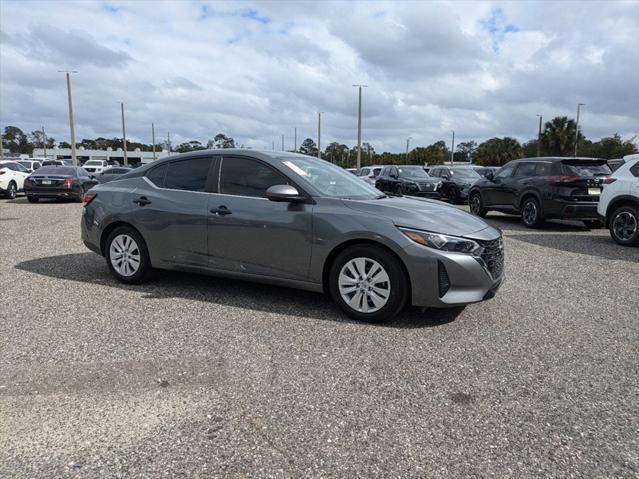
x: 634, y: 170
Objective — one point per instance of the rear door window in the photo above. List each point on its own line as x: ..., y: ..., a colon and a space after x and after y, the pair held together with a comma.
x: 543, y: 169
x: 156, y: 175
x: 248, y: 177
x: 188, y: 175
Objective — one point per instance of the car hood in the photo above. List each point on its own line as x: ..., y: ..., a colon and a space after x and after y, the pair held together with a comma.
x: 427, y: 215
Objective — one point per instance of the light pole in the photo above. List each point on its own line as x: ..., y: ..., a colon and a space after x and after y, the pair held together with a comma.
x: 579, y: 105
x: 168, y: 142
x: 126, y: 159
x: 452, y: 148
x: 282, y: 142
x: 359, y: 126
x: 319, y: 134
x: 153, y: 139
x: 407, y: 147
x: 44, y: 142
x: 539, y: 138
x: 71, y: 122
x: 295, y: 140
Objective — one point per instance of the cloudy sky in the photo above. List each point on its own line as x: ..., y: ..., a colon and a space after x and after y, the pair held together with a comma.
x: 256, y: 70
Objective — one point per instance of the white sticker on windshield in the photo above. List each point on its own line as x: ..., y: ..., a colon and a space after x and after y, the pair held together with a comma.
x: 295, y: 168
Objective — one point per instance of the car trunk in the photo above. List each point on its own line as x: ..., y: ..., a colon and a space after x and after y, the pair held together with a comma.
x: 580, y: 180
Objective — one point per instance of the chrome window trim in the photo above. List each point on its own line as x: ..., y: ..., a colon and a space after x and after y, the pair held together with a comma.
x: 201, y: 192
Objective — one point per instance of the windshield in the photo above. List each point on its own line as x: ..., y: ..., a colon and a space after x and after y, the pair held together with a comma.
x: 589, y: 168
x: 470, y: 174
x: 93, y: 162
x: 413, y: 172
x: 328, y: 179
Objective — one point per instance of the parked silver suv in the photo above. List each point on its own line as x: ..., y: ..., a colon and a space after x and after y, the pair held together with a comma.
x: 296, y: 221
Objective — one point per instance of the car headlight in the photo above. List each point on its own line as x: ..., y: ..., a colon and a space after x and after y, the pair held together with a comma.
x: 443, y: 242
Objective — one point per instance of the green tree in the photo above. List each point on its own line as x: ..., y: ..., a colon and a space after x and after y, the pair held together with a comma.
x: 16, y: 141
x: 308, y: 147
x: 187, y: 146
x: 613, y: 147
x: 498, y: 151
x: 336, y: 153
x: 221, y: 141
x: 558, y: 138
x: 466, y: 151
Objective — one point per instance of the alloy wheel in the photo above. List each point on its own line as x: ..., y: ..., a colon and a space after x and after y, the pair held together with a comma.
x: 12, y: 191
x: 624, y: 225
x: 475, y: 204
x: 364, y: 285
x: 124, y: 254
x: 530, y: 212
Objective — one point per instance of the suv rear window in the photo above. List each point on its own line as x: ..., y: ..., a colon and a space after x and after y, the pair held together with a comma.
x: 586, y: 168
x: 635, y: 169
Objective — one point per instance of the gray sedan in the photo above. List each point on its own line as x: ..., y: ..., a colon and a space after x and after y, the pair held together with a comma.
x: 292, y: 220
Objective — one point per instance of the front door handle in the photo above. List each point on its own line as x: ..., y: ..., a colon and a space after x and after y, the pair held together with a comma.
x: 221, y: 211
x: 142, y: 201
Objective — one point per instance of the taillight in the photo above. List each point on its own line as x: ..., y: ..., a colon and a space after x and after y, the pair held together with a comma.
x: 68, y: 182
x: 27, y: 181
x: 561, y: 179
x: 609, y: 180
x: 2, y: 172
x: 88, y: 198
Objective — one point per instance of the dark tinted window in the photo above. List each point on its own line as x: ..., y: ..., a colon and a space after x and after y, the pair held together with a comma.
x: 156, y: 175
x: 56, y: 170
x: 246, y: 177
x: 635, y: 169
x: 83, y: 172
x: 543, y: 169
x: 526, y: 169
x: 434, y: 172
x: 188, y: 175
x: 586, y: 168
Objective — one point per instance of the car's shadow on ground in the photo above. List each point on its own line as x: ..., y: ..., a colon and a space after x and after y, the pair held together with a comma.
x: 602, y: 246
x: 513, y: 223
x: 91, y: 268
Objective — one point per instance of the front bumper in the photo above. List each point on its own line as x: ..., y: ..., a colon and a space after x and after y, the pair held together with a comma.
x: 469, y: 279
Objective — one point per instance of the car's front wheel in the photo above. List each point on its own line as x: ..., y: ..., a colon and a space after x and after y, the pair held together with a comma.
x: 477, y: 205
x: 127, y: 255
x: 624, y: 226
x: 368, y: 283
x: 531, y: 214
x: 12, y: 190
x: 453, y: 194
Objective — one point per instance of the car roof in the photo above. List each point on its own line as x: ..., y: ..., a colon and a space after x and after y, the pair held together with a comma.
x: 555, y: 159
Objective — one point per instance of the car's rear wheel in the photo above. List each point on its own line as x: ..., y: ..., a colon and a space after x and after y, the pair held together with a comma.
x: 81, y: 194
x: 531, y: 214
x: 12, y: 190
x: 624, y: 226
x: 127, y: 255
x: 368, y: 283
x: 32, y: 199
x: 477, y: 205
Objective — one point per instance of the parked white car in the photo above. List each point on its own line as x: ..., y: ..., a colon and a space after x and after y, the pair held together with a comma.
x: 370, y: 173
x: 31, y: 164
x: 12, y: 175
x: 94, y: 167
x: 619, y: 202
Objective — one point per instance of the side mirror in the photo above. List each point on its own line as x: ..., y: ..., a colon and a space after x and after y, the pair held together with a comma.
x: 284, y: 193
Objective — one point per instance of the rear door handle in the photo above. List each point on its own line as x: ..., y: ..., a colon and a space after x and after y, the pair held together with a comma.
x: 142, y: 201
x: 221, y: 211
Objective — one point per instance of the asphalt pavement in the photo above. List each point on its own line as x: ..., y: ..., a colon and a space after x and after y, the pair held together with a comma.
x: 193, y: 376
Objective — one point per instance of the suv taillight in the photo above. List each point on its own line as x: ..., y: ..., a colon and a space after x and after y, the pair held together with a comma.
x: 561, y: 179
x: 88, y: 198
x: 609, y: 180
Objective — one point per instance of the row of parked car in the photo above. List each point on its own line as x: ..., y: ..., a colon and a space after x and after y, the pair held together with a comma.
x: 43, y: 178
x: 537, y: 189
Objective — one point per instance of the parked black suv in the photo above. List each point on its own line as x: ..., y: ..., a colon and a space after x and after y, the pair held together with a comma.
x: 543, y: 188
x: 456, y: 181
x: 407, y: 180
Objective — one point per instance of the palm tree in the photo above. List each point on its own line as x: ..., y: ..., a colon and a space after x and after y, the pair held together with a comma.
x: 558, y: 138
x: 498, y: 151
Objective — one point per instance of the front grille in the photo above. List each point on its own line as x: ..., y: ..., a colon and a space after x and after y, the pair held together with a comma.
x: 426, y: 187
x: 444, y: 281
x: 493, y: 256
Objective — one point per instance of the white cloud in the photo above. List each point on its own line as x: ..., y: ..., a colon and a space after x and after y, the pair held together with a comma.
x: 257, y: 70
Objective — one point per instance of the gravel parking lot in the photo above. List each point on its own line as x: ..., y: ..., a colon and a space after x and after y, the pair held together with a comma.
x: 202, y: 377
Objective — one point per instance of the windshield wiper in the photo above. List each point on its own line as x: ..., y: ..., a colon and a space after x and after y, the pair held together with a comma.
x: 380, y: 197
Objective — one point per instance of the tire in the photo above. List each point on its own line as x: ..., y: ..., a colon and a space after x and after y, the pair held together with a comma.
x: 382, y: 299
x: 81, y: 195
x: 531, y: 214
x: 125, y: 271
x: 593, y: 224
x: 624, y: 225
x: 453, y: 194
x: 477, y: 205
x: 12, y: 190
x: 32, y: 199
x: 398, y: 190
